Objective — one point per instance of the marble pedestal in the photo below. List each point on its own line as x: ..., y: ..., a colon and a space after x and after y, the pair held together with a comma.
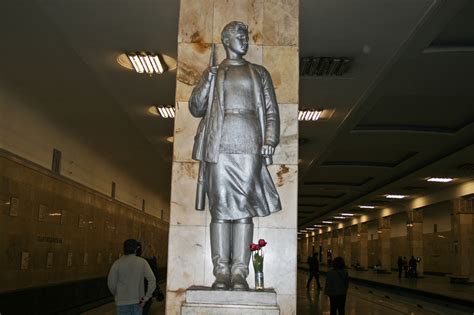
x: 204, y: 300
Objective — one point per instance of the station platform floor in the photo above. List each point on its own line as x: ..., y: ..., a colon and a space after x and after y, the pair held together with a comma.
x: 430, y: 285
x: 362, y: 299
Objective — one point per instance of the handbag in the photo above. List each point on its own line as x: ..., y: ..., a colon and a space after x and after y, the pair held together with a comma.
x: 158, y: 294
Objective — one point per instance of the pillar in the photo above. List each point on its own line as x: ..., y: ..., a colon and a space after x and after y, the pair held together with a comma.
x: 335, y: 243
x: 325, y: 247
x: 362, y: 244
x: 415, y: 237
x: 462, y: 228
x: 273, y: 43
x: 347, y: 248
x: 385, y: 254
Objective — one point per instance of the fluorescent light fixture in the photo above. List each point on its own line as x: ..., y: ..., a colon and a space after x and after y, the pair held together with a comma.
x: 339, y: 217
x: 149, y: 63
x: 309, y: 114
x: 318, y: 225
x: 367, y: 207
x: 395, y: 196
x: 328, y: 222
x: 166, y: 111
x: 439, y: 179
x: 310, y: 229
x: 348, y: 214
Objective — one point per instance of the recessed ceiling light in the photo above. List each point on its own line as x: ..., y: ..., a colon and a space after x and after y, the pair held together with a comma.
x: 309, y: 114
x: 348, y: 214
x: 166, y: 111
x: 395, y: 196
x: 146, y: 62
x: 439, y: 179
x: 367, y: 207
x: 328, y: 222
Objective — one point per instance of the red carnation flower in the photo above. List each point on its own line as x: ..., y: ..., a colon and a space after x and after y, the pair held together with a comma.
x: 262, y: 243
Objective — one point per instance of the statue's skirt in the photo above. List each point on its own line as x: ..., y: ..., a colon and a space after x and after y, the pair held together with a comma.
x: 239, y: 186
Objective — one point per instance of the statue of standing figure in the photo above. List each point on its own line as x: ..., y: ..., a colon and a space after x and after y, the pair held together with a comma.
x: 235, y: 141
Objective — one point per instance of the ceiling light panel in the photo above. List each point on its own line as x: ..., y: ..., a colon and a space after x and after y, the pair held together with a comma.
x: 166, y: 111
x: 395, y: 196
x: 367, y: 207
x: 149, y: 63
x: 440, y: 179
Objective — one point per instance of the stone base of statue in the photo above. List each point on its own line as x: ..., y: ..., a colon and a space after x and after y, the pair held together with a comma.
x: 204, y: 300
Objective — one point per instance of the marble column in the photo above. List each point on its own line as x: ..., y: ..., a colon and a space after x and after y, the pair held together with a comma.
x: 415, y: 237
x: 325, y: 246
x: 363, y: 245
x: 384, y: 244
x: 273, y: 43
x: 335, y: 243
x: 463, y: 238
x: 347, y: 247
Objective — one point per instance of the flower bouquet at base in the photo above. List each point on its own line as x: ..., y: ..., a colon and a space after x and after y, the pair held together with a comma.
x: 257, y: 260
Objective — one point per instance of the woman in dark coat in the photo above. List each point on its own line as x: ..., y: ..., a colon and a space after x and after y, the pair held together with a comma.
x: 337, y: 283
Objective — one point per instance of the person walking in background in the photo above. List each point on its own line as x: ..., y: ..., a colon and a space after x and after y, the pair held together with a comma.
x: 313, y: 270
x: 337, y: 284
x: 405, y: 266
x: 412, y: 267
x: 154, y: 267
x: 126, y: 280
x: 400, y: 266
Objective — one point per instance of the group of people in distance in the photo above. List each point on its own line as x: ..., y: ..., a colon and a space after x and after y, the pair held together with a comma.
x: 337, y: 283
x: 132, y: 281
x: 409, y: 267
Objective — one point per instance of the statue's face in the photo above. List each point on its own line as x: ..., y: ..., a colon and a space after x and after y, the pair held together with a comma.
x: 238, y: 42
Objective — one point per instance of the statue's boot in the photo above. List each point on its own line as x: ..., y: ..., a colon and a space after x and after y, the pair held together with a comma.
x: 220, y: 250
x: 242, y: 235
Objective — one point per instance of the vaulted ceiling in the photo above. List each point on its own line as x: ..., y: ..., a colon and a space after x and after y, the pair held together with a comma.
x: 403, y: 112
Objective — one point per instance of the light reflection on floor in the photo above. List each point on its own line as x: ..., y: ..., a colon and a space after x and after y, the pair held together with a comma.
x: 314, y: 302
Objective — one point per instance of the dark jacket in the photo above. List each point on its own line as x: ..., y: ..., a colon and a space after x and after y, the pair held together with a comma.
x: 313, y: 264
x: 337, y: 282
x: 208, y: 136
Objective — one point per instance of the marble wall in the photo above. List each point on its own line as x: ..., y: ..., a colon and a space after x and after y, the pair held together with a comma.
x: 273, y: 30
x: 53, y: 230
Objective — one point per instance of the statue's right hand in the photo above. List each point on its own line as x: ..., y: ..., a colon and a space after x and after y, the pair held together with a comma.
x: 211, y: 72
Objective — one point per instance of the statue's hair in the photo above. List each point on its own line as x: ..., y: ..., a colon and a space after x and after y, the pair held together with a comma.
x: 233, y: 28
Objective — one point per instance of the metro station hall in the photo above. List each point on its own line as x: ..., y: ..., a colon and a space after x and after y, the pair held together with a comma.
x: 254, y: 157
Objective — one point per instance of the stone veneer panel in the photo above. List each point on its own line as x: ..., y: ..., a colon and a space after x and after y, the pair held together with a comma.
x: 183, y: 196
x: 280, y: 26
x: 195, y: 21
x: 282, y: 63
x: 186, y: 256
x: 248, y: 11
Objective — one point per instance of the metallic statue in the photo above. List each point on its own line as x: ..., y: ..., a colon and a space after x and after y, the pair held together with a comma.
x: 235, y: 140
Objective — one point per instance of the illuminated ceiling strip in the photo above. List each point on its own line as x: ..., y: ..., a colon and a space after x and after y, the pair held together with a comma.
x: 146, y: 63
x: 309, y: 115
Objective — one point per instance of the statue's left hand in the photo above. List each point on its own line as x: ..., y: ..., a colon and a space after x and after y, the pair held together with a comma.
x: 267, y: 150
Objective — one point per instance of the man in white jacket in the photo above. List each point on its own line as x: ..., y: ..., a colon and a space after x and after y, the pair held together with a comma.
x: 126, y: 280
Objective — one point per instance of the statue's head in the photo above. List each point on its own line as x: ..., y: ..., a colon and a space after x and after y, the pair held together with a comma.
x: 235, y: 37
